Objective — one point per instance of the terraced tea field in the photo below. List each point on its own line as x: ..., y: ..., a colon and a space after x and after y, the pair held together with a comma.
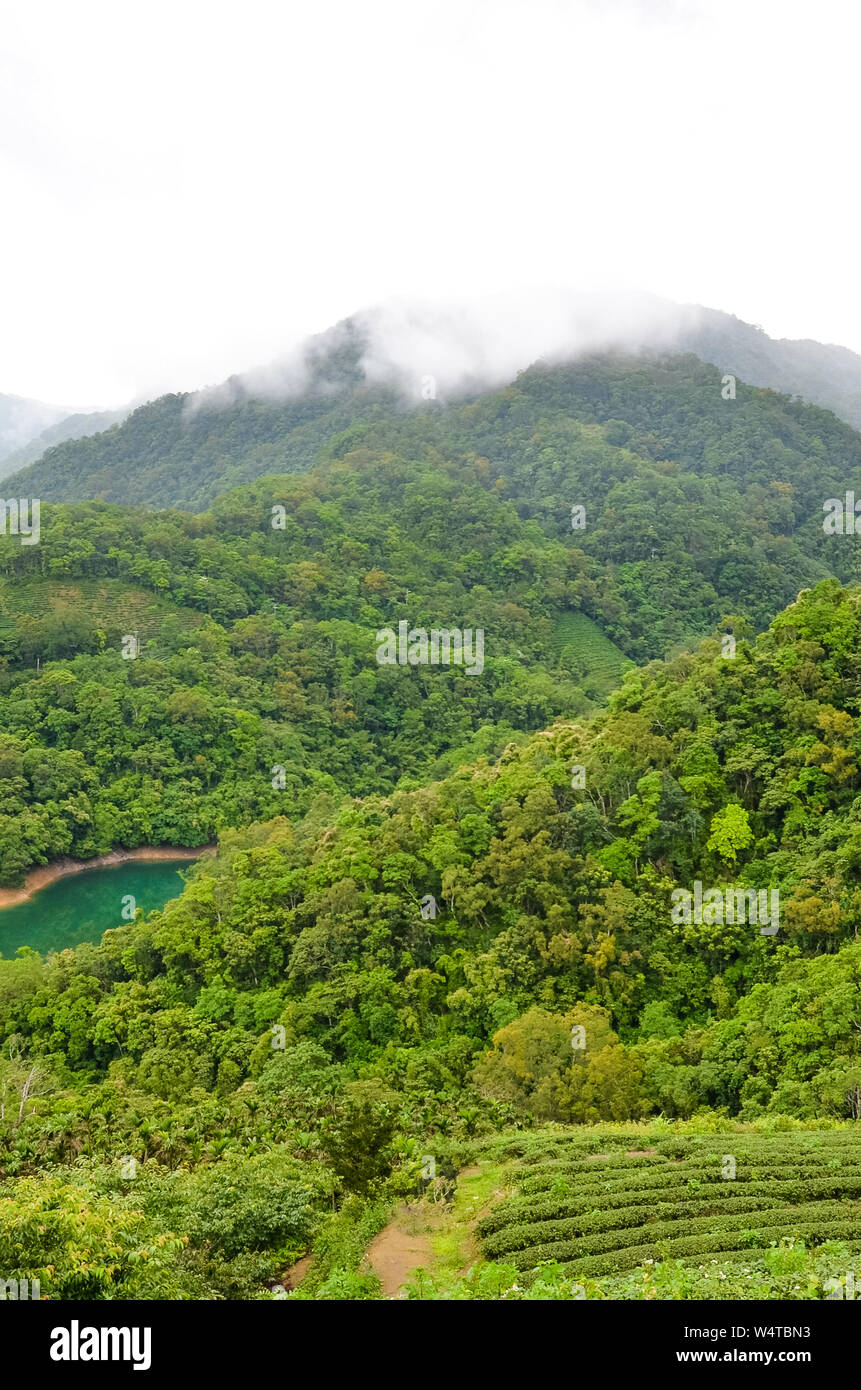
x: 603, y: 664
x: 599, y: 1206
x: 110, y: 604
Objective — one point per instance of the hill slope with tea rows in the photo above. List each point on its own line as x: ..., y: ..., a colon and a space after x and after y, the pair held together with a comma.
x: 685, y: 1197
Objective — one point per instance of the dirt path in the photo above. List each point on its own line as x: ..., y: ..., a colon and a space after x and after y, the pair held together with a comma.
x: 60, y: 868
x: 292, y: 1277
x: 394, y: 1254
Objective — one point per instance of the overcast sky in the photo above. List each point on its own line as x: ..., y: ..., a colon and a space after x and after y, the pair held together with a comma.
x: 188, y: 188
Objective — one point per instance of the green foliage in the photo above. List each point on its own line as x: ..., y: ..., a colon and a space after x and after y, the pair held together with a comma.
x: 358, y: 1141
x: 537, y: 1065
x: 730, y: 833
x: 249, y: 1210
x: 80, y: 1246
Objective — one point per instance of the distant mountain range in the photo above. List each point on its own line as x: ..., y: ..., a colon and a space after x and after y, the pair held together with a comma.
x: 821, y: 373
x: 184, y: 449
x: 22, y: 420
x: 74, y: 426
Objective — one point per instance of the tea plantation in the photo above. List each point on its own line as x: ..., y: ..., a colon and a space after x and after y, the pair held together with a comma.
x: 606, y: 1206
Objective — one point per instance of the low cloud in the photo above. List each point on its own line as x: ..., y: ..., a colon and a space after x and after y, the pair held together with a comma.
x: 488, y: 340
x: 461, y: 346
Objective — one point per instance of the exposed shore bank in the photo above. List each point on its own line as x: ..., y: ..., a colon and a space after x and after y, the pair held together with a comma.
x: 61, y: 868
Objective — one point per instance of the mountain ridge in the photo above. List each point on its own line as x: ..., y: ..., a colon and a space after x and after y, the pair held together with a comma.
x: 22, y: 418
x: 184, y: 448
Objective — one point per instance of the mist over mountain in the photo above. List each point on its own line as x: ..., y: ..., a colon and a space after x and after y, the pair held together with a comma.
x: 387, y: 362
x: 450, y: 349
x: 75, y: 426
x: 470, y: 346
x: 21, y: 420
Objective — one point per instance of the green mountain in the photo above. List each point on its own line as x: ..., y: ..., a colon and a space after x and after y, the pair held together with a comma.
x: 184, y: 450
x: 257, y: 621
x: 258, y: 649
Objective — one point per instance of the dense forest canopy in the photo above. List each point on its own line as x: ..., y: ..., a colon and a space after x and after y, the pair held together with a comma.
x: 735, y: 771
x: 256, y: 620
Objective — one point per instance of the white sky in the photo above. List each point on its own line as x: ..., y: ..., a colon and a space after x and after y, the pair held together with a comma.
x: 187, y: 188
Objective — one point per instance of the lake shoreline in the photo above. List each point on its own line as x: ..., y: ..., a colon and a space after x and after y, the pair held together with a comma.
x: 62, y: 868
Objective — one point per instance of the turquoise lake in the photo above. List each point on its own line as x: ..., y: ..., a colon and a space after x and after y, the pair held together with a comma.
x: 83, y: 906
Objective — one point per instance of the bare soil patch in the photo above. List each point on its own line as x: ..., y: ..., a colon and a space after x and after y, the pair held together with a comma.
x: 394, y: 1254
x: 292, y: 1277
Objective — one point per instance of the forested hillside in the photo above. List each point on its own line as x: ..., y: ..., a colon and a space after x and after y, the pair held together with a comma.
x: 739, y: 771
x: 695, y: 506
x: 445, y: 905
x: 257, y: 651
x: 256, y: 621
x: 183, y: 450
x: 278, y: 1027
